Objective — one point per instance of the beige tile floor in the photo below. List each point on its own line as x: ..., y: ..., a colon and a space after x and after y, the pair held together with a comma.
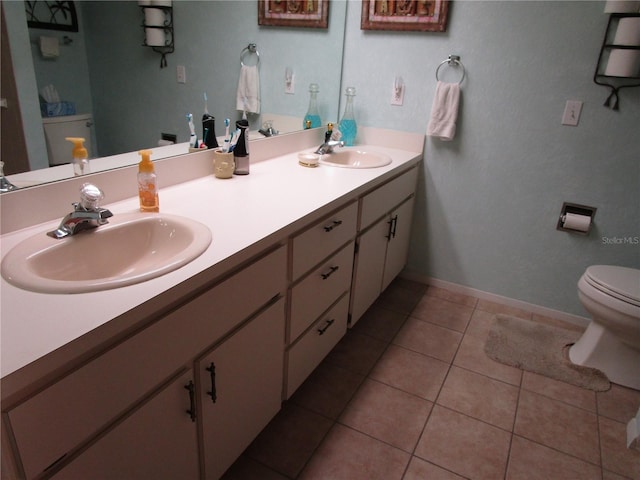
x: 409, y: 394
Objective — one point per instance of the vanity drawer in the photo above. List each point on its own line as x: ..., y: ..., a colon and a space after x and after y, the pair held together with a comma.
x: 314, y: 345
x: 316, y: 292
x: 53, y: 422
x: 324, y: 237
x: 387, y: 197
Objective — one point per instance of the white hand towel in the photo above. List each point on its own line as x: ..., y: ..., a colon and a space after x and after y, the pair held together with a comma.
x: 248, y: 96
x: 444, y: 111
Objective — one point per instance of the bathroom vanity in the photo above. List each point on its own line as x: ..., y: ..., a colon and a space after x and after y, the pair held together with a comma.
x: 174, y: 377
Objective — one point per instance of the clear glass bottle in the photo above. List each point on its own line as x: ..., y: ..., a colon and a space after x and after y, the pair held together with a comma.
x: 312, y: 113
x: 347, y: 125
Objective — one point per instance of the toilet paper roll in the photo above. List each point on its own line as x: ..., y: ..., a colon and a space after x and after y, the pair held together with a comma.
x: 575, y: 221
x: 153, y: 17
x: 155, y: 37
x: 49, y: 47
x: 623, y: 63
x: 621, y: 6
x: 628, y: 32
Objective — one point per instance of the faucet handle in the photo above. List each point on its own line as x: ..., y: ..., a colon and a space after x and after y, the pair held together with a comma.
x: 90, y: 196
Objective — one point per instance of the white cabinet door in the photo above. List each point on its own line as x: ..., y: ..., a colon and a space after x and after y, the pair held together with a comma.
x: 398, y: 247
x: 382, y: 254
x: 159, y: 440
x: 367, y: 281
x: 241, y: 388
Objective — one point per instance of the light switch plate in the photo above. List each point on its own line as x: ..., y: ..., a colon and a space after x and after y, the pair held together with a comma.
x: 571, y: 115
x: 289, y: 85
x: 397, y: 94
x: 181, y: 74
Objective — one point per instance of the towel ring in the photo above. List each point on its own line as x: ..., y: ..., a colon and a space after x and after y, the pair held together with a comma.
x: 249, y: 49
x: 452, y: 61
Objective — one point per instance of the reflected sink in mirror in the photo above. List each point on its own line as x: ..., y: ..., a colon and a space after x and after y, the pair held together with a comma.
x: 355, y: 157
x: 131, y: 249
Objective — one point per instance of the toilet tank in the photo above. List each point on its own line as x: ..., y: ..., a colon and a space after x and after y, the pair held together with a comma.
x: 56, y: 129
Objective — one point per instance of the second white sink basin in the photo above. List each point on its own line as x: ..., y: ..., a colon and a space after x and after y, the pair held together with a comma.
x: 355, y: 157
x: 130, y: 249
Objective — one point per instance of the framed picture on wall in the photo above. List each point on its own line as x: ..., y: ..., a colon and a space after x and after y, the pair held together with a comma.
x: 294, y: 13
x: 405, y: 15
x: 52, y: 15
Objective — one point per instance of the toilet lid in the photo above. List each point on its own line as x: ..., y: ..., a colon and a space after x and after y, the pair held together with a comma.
x: 620, y: 282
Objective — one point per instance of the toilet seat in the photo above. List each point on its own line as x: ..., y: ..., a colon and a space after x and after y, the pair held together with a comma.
x: 619, y: 282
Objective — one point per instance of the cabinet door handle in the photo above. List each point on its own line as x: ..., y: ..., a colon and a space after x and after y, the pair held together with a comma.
x: 392, y: 228
x: 327, y: 325
x: 331, y: 271
x: 333, y: 225
x: 192, y: 400
x: 394, y: 225
x: 212, y: 370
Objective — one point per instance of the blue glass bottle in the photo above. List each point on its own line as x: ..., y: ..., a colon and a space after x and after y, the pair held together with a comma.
x: 347, y: 125
x: 312, y: 116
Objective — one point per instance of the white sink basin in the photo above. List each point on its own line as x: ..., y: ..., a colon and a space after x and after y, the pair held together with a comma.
x: 355, y: 157
x: 131, y: 248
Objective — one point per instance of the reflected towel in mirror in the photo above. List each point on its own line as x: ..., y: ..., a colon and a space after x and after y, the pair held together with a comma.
x: 444, y: 111
x: 248, y: 96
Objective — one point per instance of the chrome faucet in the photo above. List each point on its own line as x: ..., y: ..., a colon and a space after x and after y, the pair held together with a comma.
x: 328, y: 146
x: 86, y: 213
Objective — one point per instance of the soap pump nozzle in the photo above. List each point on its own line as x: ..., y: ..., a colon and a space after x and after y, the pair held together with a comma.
x: 79, y: 154
x: 328, y: 133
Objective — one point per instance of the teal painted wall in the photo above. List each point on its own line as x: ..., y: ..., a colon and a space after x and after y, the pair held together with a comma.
x: 489, y: 200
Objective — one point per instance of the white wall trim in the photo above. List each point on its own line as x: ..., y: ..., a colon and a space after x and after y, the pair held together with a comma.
x: 511, y: 302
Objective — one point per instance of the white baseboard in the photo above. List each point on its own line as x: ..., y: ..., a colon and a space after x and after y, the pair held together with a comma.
x: 511, y: 302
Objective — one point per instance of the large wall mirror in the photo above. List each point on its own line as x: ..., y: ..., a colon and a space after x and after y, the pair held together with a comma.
x: 105, y: 70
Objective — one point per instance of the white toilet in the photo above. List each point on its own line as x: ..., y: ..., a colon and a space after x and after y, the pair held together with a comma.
x: 611, y: 342
x: 56, y: 129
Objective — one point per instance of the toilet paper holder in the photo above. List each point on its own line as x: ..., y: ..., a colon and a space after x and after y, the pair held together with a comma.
x: 572, y: 211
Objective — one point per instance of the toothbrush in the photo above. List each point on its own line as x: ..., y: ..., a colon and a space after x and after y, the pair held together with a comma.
x: 233, y: 144
x: 226, y: 127
x: 229, y: 145
x: 193, y: 139
x: 206, y: 107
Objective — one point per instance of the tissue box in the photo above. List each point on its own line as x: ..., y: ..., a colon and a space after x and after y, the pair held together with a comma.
x: 57, y: 109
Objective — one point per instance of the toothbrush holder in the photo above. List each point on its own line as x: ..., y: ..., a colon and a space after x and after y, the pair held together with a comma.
x: 223, y: 164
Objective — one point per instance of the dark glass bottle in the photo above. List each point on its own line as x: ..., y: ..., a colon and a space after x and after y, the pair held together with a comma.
x: 209, y: 131
x: 241, y: 150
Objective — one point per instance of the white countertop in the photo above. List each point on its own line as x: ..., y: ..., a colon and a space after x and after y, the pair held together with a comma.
x: 272, y: 202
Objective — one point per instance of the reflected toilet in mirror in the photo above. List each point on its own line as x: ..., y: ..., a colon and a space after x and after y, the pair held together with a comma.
x: 56, y: 129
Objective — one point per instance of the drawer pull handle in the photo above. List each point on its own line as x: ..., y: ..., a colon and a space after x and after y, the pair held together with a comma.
x: 324, y: 329
x: 331, y: 271
x: 333, y: 225
x: 212, y: 370
x: 192, y: 400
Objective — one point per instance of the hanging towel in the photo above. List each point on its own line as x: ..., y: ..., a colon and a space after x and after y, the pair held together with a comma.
x: 444, y: 111
x: 248, y: 97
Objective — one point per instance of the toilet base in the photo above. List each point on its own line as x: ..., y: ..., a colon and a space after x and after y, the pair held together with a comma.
x: 598, y: 348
